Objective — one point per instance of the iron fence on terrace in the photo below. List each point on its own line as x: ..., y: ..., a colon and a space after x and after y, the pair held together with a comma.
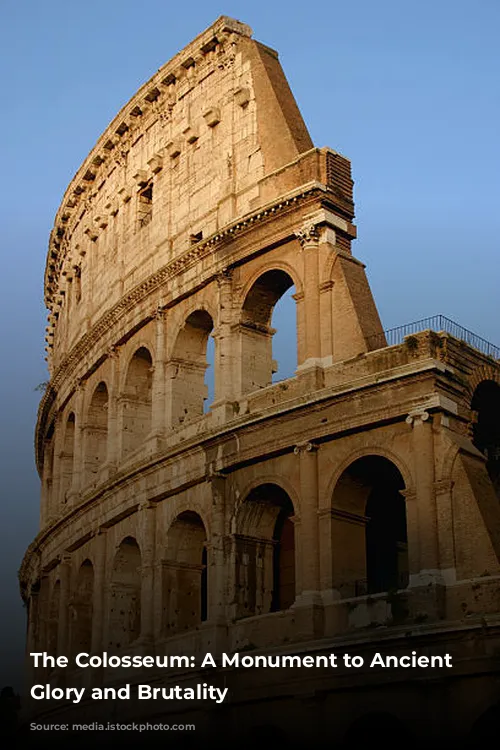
x: 436, y: 323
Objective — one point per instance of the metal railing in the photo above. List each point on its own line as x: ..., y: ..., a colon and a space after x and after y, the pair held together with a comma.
x: 436, y: 323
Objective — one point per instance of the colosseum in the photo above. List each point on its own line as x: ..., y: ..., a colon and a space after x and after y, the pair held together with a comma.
x: 351, y: 508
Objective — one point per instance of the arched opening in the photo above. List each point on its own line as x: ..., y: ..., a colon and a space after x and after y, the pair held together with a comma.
x: 271, y: 293
x: 137, y: 401
x: 369, y: 535
x: 185, y: 579
x: 486, y: 429
x: 125, y: 606
x: 265, y: 552
x: 379, y: 728
x: 96, y: 432
x: 190, y: 385
x: 81, y: 610
x: 67, y: 457
x: 53, y: 622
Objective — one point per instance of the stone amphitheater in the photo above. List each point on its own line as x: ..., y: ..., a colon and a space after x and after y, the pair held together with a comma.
x: 351, y: 507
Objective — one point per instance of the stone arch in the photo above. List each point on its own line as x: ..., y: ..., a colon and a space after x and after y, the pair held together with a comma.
x: 372, y: 450
x: 67, y: 456
x: 485, y: 372
x: 125, y: 595
x: 137, y: 400
x: 53, y: 619
x: 264, y: 551
x: 185, y: 574
x: 256, y: 334
x: 368, y: 528
x: 81, y: 609
x: 187, y: 368
x: 96, y: 431
x: 485, y: 404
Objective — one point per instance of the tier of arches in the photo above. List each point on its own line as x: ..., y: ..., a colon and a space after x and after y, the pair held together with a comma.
x: 166, y: 382
x: 260, y: 567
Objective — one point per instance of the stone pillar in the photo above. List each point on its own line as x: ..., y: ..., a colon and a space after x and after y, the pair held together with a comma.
x: 113, y: 443
x: 216, y: 560
x: 308, y: 459
x: 159, y: 377
x: 222, y: 407
x: 78, y: 448
x: 147, y: 525
x: 99, y: 594
x: 308, y: 237
x: 446, y: 537
x: 65, y: 592
x: 308, y: 604
x: 423, y: 462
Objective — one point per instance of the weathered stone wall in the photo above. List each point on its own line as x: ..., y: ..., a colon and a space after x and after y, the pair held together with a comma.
x: 258, y: 522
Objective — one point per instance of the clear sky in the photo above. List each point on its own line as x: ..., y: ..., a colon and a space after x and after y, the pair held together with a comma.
x: 409, y: 91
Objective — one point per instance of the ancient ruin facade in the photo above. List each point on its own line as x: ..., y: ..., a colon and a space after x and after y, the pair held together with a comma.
x: 354, y: 505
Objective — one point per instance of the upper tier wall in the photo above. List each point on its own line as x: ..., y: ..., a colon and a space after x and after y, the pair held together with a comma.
x: 191, y: 152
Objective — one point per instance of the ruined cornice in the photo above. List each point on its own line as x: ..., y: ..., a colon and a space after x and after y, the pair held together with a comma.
x: 154, y: 99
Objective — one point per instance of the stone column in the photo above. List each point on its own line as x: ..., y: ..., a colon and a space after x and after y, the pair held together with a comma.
x: 147, y: 525
x: 423, y: 462
x: 308, y: 459
x: 78, y: 448
x: 216, y: 560
x: 446, y: 537
x: 308, y: 237
x: 99, y: 594
x: 308, y: 604
x: 113, y: 442
x: 225, y: 342
x: 159, y: 377
x: 63, y: 624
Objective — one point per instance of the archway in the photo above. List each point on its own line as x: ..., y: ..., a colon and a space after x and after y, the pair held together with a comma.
x: 81, y: 610
x: 96, y: 431
x: 185, y: 580
x: 190, y: 385
x: 486, y: 429
x: 125, y: 595
x: 67, y: 457
x: 369, y: 535
x: 259, y: 354
x: 265, y: 552
x: 137, y: 401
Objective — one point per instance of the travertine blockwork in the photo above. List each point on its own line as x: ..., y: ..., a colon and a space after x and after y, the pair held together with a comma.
x: 361, y: 492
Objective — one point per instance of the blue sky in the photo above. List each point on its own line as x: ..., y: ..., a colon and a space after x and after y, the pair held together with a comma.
x: 407, y: 90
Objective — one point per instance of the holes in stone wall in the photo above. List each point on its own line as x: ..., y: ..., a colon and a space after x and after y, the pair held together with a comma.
x: 145, y: 205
